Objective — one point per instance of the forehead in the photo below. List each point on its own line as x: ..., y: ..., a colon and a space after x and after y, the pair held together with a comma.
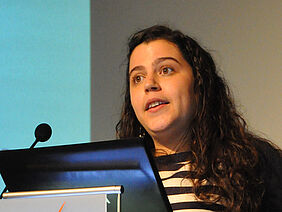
x: 150, y: 51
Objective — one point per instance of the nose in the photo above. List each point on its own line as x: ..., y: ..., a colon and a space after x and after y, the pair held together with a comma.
x: 151, y: 84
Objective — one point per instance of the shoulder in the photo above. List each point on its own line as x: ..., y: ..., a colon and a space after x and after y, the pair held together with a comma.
x: 269, y: 156
x: 270, y: 168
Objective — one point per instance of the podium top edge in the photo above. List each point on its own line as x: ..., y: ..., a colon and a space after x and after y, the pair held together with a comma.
x: 64, y: 192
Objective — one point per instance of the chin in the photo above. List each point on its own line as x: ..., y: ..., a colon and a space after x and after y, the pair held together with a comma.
x: 158, y: 128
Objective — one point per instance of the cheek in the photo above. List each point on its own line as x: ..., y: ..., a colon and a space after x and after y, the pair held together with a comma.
x: 135, y: 101
x: 185, y: 99
x: 137, y: 104
x: 190, y: 103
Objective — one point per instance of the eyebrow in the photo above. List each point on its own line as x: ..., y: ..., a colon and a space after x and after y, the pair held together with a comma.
x: 157, y: 61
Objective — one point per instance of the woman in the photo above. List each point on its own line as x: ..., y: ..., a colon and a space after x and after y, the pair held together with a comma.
x: 206, y: 157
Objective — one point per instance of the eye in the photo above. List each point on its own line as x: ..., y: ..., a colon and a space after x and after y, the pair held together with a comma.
x: 166, y: 70
x: 137, y: 79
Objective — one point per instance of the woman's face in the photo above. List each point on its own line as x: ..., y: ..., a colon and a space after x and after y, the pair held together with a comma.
x: 161, y: 88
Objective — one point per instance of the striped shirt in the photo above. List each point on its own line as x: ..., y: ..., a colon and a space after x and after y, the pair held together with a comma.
x: 173, y: 170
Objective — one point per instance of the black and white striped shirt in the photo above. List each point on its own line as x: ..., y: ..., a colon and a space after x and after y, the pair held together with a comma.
x: 173, y: 170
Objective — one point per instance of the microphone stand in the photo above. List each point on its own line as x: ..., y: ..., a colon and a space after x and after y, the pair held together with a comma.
x: 34, y: 143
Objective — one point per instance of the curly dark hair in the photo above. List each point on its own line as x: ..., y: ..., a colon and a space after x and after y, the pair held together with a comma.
x: 223, y: 149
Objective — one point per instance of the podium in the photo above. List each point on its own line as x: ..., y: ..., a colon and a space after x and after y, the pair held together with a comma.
x: 66, y: 200
x: 123, y: 164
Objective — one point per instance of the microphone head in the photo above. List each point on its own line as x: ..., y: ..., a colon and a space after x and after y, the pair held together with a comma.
x: 43, y: 132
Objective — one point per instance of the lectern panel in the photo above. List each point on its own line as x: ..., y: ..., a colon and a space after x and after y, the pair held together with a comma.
x: 118, y: 162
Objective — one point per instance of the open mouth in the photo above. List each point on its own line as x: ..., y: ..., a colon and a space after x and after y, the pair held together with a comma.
x: 155, y: 104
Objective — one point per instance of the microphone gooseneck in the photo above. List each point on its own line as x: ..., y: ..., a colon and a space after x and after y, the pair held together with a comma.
x: 42, y: 133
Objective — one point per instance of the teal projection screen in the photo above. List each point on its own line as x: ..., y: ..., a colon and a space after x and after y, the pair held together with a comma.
x: 44, y: 71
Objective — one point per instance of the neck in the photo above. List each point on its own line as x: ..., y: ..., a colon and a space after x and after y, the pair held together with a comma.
x: 171, y: 145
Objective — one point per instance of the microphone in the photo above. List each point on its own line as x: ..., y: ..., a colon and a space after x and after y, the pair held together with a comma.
x: 42, y: 133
